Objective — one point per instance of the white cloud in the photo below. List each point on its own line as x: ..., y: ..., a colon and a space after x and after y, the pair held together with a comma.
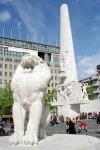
x: 86, y: 65
x: 5, y: 16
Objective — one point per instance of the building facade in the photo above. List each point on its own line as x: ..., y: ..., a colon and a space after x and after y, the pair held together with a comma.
x: 12, y: 50
x: 95, y: 80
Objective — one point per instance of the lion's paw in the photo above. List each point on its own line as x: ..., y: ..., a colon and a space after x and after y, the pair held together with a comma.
x: 15, y: 139
x: 30, y: 140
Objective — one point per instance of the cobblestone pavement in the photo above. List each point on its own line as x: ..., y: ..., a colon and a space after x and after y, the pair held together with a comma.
x: 92, y: 129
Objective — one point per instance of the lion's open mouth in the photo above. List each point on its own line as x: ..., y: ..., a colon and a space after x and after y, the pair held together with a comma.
x: 28, y: 66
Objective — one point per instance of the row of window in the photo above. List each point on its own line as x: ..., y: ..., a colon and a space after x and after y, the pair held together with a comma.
x: 54, y: 78
x: 10, y: 60
x: 55, y: 71
x: 8, y: 66
x: 52, y: 85
x: 6, y: 74
x: 5, y: 81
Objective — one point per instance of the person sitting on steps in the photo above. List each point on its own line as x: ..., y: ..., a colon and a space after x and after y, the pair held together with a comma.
x: 82, y: 126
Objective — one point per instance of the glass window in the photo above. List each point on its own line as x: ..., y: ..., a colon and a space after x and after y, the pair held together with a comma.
x: 1, y: 58
x: 15, y: 66
x: 1, y: 65
x: 55, y: 71
x: 5, y: 73
x: 0, y: 73
x: 8, y: 59
x: 55, y: 84
x: 55, y: 77
x: 6, y: 65
x: 0, y: 81
x: 10, y: 74
x: 10, y: 66
x: 52, y: 84
x: 9, y: 81
x: 5, y: 81
x: 5, y: 49
x: 51, y: 70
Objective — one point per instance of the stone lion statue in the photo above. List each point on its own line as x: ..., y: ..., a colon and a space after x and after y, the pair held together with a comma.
x: 29, y: 84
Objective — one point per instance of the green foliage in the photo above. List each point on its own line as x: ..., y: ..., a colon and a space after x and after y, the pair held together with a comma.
x: 6, y: 100
x: 48, y: 98
x: 90, y: 89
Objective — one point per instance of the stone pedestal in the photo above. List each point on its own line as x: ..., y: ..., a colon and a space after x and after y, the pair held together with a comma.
x: 57, y: 141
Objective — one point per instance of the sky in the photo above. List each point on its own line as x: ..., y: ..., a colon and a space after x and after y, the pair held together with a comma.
x: 39, y: 21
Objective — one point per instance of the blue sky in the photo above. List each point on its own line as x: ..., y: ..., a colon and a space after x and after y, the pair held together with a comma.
x: 39, y: 20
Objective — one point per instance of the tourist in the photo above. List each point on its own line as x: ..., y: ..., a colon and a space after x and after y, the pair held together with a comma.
x: 71, y: 129
x: 98, y: 119
x: 74, y: 121
x: 0, y: 119
x: 82, y: 126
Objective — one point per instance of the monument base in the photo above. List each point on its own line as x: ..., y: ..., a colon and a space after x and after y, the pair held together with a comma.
x: 57, y: 141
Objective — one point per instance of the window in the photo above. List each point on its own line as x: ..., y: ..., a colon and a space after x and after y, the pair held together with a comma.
x: 9, y: 81
x: 1, y: 65
x: 0, y: 73
x: 51, y: 70
x: 5, y: 81
x: 52, y: 78
x: 10, y: 74
x: 5, y: 73
x: 0, y: 81
x: 6, y: 65
x: 1, y: 58
x: 55, y: 77
x: 55, y: 71
x: 55, y: 84
x: 15, y: 66
x: 8, y: 59
x: 10, y: 66
x: 5, y: 49
x: 52, y: 84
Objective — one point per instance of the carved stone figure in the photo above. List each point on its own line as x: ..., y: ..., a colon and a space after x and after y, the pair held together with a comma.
x: 68, y: 92
x: 29, y: 84
x: 62, y: 64
x: 61, y: 92
x: 84, y: 92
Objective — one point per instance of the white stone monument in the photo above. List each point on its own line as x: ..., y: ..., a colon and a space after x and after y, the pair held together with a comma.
x: 71, y: 93
x: 29, y: 84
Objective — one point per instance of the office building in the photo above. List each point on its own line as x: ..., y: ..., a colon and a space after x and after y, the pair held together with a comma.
x: 12, y: 50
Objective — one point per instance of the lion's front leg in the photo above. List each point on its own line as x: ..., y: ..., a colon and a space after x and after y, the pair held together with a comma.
x: 18, y: 118
x: 31, y: 136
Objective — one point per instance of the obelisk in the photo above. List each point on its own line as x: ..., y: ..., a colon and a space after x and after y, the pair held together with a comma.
x: 66, y: 46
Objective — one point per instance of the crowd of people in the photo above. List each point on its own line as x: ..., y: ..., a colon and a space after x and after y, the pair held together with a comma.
x: 56, y: 120
x: 72, y: 121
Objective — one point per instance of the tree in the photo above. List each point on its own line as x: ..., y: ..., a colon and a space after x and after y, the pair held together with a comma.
x: 48, y: 98
x: 6, y: 100
x: 90, y: 91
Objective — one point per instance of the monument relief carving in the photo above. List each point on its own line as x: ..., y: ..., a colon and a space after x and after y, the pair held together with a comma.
x: 84, y: 92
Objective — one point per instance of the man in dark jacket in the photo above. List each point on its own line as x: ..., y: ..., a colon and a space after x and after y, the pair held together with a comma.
x: 71, y: 129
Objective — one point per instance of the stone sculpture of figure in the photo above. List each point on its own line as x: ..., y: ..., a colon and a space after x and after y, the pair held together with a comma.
x: 29, y: 84
x: 84, y: 92
x: 61, y: 92
x: 62, y: 64
x: 68, y: 92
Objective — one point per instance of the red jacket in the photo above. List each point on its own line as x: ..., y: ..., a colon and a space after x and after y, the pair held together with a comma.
x: 82, y: 124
